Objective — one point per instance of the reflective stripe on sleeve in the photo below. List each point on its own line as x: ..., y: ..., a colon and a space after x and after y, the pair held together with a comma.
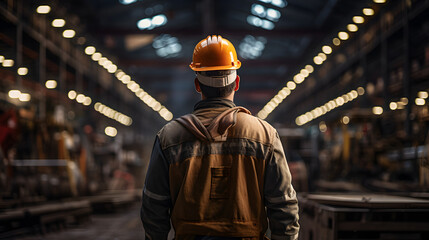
x: 280, y: 199
x: 155, y: 196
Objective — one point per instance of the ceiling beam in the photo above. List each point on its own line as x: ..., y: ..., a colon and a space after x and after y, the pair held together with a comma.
x: 197, y: 33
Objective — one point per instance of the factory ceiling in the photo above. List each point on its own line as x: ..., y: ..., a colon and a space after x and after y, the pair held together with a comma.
x: 153, y: 40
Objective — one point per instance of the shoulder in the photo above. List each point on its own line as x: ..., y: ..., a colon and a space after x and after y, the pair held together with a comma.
x: 248, y: 126
x: 173, y: 133
x: 243, y: 117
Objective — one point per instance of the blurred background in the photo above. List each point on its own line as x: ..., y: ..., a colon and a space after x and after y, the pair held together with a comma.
x: 86, y: 85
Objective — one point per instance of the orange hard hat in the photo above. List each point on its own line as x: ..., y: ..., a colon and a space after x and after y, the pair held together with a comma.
x: 214, y: 53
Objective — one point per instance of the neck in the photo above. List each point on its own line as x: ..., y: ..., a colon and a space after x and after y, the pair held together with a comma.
x: 229, y: 97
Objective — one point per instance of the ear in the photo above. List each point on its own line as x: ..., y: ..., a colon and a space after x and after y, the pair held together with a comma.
x: 197, y: 85
x: 237, y: 83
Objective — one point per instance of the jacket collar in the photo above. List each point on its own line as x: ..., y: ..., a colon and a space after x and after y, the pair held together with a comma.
x: 214, y: 103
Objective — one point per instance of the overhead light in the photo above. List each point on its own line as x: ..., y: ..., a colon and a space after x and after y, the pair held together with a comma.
x: 422, y: 94
x: 80, y: 98
x: 279, y: 3
x: 97, y: 106
x: 43, y: 9
x: 291, y: 85
x: 309, y: 68
x: 368, y: 11
x: 258, y: 22
x: 144, y: 23
x: 345, y: 120
x: 352, y: 27
x: 112, y: 68
x: 156, y: 106
x: 162, y: 111
x: 322, y: 126
x: 72, y: 94
x: 87, y: 101
x: 322, y: 55
x: 299, y: 78
x: 168, y: 116
x: 404, y: 100
x: 51, y: 84
x: 126, y: 2
x: 1, y: 58
x: 273, y: 14
x: 58, y: 22
x: 7, y: 63
x: 90, y: 50
x: 420, y: 101
x: 149, y: 24
x: 318, y: 60
x: 258, y: 10
x: 336, y: 41
x: 251, y: 47
x: 22, y: 71
x: 343, y: 35
x: 340, y: 101
x: 119, y: 74
x: 110, y: 131
x: 24, y: 97
x: 327, y: 49
x: 360, y: 90
x: 298, y: 121
x: 328, y: 106
x: 69, y: 33
x: 267, y: 25
x: 159, y: 20
x: 255, y: 21
x: 125, y: 79
x: 379, y: 1
x: 377, y: 110
x: 304, y: 73
x: 393, y: 105
x: 107, y: 64
x: 96, y: 56
x: 113, y: 114
x: 284, y: 92
x: 358, y: 19
x: 132, y: 85
x: 166, y: 46
x: 14, y: 93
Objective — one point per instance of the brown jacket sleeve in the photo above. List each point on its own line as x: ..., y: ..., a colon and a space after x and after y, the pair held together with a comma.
x: 280, y: 197
x: 156, y: 200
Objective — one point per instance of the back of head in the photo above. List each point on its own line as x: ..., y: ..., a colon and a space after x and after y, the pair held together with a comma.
x: 215, y: 62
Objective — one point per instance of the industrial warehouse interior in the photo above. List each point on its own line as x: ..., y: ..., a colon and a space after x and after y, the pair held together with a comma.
x: 86, y: 85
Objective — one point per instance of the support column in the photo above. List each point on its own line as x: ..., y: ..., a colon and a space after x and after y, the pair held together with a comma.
x: 18, y: 63
x: 42, y: 69
x: 407, y: 60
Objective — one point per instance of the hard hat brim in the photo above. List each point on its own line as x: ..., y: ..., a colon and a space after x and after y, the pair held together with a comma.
x: 237, y: 65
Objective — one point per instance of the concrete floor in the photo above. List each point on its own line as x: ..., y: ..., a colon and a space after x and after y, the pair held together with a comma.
x: 125, y: 225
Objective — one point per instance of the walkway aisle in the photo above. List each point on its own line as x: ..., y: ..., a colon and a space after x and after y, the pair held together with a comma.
x: 125, y: 225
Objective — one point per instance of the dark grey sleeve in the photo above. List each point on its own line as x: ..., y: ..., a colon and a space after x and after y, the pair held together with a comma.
x: 280, y: 197
x: 156, y: 201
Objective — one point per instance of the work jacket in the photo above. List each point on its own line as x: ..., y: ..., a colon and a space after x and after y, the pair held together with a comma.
x: 219, y: 172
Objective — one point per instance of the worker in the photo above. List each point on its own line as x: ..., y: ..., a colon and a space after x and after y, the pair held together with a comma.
x: 219, y: 172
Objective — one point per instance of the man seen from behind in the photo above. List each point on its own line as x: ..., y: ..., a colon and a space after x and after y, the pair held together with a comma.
x: 218, y: 173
